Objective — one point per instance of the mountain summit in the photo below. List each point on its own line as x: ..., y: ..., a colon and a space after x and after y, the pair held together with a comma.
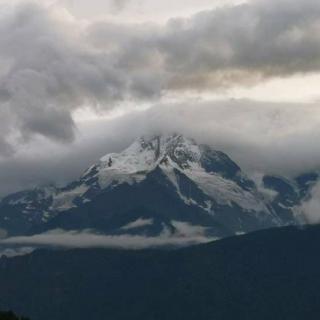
x: 158, y: 185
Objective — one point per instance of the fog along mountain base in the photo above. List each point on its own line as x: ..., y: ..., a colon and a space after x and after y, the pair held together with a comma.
x: 159, y: 186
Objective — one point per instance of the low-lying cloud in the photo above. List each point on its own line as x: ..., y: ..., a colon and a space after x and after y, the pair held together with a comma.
x: 185, y: 236
x: 310, y: 209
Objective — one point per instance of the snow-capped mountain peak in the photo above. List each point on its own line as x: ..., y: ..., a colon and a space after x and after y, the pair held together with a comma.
x: 145, y: 154
x: 145, y: 188
x: 213, y: 172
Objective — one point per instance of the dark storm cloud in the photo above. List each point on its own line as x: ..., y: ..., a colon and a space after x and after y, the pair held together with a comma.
x: 52, y: 64
x: 224, y: 47
x: 50, y: 72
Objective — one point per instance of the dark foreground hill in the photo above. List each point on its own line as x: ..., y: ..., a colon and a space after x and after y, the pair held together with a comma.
x: 273, y: 274
x: 9, y: 315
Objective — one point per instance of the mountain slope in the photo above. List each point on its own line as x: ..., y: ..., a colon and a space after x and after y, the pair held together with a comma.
x: 271, y: 274
x: 157, y: 180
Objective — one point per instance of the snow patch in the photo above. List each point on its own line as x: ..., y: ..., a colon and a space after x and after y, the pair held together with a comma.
x: 226, y: 192
x: 19, y: 201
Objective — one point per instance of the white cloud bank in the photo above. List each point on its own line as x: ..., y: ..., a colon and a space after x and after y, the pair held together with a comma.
x: 185, y: 235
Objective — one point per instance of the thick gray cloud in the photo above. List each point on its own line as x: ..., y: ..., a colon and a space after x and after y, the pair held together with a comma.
x: 50, y: 72
x: 42, y: 162
x: 275, y: 138
x: 53, y: 64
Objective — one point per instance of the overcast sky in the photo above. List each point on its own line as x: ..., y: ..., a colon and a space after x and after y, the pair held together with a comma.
x: 82, y: 78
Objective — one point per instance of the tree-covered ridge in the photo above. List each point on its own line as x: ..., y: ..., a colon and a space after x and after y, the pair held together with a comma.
x: 10, y: 316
